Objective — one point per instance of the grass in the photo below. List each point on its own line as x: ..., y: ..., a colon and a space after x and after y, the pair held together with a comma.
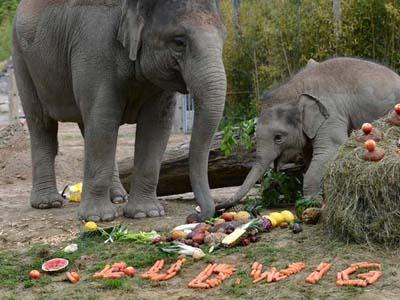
x: 277, y: 248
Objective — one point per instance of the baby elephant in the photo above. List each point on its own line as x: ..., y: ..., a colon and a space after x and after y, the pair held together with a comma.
x: 314, y: 113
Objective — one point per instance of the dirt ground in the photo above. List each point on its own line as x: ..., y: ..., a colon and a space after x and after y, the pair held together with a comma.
x: 20, y: 225
x: 28, y: 236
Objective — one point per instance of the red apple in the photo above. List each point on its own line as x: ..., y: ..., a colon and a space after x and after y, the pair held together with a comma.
x: 397, y: 108
x: 370, y: 145
x: 35, y: 274
x: 367, y: 128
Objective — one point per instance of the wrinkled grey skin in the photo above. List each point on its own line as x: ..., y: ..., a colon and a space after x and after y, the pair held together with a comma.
x: 103, y: 63
x: 314, y: 113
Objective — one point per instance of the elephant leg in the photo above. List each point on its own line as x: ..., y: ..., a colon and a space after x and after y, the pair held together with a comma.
x: 153, y: 130
x: 43, y: 135
x: 101, y: 123
x: 324, y: 150
x: 118, y: 194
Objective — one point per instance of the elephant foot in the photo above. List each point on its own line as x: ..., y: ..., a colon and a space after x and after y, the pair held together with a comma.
x: 145, y: 207
x: 46, y: 201
x: 193, y: 218
x: 118, y: 194
x: 97, y: 210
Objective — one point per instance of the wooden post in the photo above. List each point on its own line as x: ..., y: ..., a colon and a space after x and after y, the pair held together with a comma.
x: 13, y: 99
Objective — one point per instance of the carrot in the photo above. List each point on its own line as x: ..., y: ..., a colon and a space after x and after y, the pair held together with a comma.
x: 354, y: 282
x: 366, y: 265
x: 320, y: 266
x: 120, y: 265
x: 348, y: 271
x: 317, y: 275
x: 280, y: 277
x: 199, y: 285
x: 106, y: 268
x: 114, y: 275
x: 271, y: 275
x: 311, y: 278
x: 160, y: 277
x: 339, y: 276
x: 257, y: 274
x: 374, y: 278
x: 262, y: 276
x: 238, y: 281
x: 73, y: 277
x: 211, y: 270
x: 153, y: 268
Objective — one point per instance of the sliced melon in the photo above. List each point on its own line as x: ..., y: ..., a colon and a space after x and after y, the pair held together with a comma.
x: 55, y: 264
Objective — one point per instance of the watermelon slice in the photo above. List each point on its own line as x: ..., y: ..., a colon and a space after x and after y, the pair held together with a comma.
x: 55, y: 264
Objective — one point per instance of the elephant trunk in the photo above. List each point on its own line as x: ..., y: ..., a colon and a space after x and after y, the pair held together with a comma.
x: 256, y: 172
x: 207, y: 83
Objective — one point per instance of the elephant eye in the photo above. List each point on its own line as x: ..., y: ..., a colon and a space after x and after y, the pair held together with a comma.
x: 278, y: 138
x: 180, y: 42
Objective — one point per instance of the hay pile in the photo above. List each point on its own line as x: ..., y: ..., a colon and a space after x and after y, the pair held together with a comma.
x: 362, y: 199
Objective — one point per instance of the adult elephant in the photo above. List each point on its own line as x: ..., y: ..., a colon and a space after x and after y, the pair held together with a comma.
x: 314, y: 113
x: 103, y: 63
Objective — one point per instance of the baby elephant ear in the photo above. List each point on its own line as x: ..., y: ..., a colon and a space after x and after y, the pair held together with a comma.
x: 131, y: 26
x: 312, y: 63
x: 313, y: 113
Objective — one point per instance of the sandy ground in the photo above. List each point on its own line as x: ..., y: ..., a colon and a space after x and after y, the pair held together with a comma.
x: 21, y: 225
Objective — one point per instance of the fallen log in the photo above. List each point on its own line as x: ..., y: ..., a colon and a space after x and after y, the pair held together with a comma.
x: 222, y: 171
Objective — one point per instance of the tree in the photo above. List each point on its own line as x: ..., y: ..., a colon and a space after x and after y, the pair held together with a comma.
x: 338, y: 20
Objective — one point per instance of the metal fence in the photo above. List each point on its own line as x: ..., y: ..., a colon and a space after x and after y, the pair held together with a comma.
x: 187, y: 113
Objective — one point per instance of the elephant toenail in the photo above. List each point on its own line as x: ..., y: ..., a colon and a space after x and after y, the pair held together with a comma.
x: 43, y: 206
x: 93, y: 219
x: 108, y: 217
x: 140, y: 215
x: 57, y: 204
x: 153, y: 213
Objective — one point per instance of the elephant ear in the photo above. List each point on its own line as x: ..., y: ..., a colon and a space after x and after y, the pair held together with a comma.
x: 313, y: 113
x: 131, y: 25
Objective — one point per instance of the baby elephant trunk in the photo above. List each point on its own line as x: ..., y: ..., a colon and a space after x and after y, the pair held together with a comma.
x: 255, y: 174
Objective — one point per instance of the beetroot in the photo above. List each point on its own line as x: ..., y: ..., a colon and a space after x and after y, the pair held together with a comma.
x: 265, y: 224
x: 198, y: 237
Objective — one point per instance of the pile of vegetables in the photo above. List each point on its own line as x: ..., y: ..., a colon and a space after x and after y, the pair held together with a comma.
x: 116, y: 271
x: 365, y: 279
x: 203, y: 280
x: 229, y: 230
x: 273, y: 275
x: 153, y: 273
x: 319, y: 273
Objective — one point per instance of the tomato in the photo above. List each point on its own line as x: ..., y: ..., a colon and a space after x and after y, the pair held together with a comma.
x: 367, y: 128
x: 370, y: 145
x: 35, y: 274
x: 130, y: 271
x: 397, y: 108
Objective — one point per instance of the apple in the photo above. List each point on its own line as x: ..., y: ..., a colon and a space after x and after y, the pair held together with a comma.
x: 367, y: 128
x: 370, y: 145
x: 35, y: 274
x: 397, y: 108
